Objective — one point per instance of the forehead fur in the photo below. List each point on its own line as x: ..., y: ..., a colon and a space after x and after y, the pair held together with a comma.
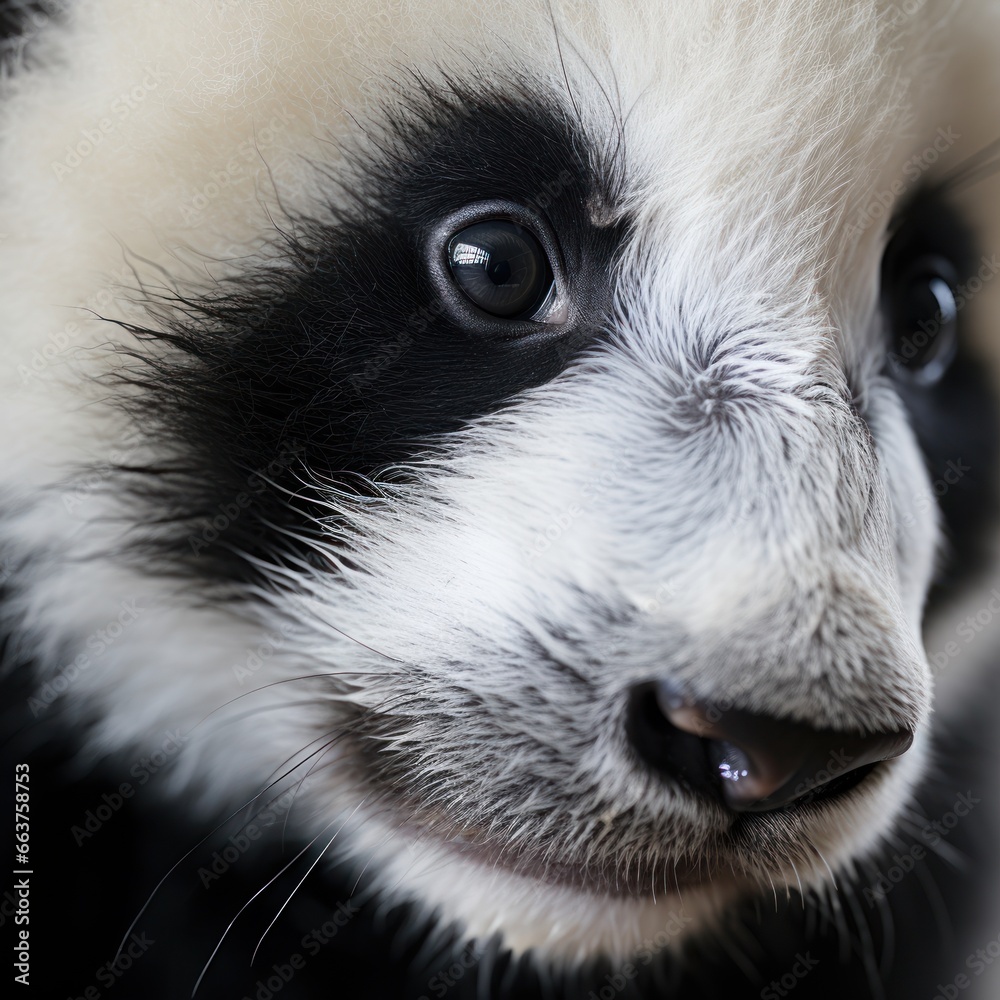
x: 676, y: 80
x: 211, y: 120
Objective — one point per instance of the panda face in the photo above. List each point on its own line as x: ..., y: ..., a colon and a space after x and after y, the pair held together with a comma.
x: 554, y: 413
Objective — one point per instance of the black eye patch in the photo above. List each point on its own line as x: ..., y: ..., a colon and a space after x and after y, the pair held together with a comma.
x: 346, y: 353
x: 931, y: 271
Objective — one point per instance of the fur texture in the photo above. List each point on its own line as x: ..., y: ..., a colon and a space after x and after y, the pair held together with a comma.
x: 410, y: 566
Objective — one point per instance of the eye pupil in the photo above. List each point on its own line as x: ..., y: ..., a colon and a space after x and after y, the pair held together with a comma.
x: 501, y: 268
x: 924, y: 321
x: 499, y: 272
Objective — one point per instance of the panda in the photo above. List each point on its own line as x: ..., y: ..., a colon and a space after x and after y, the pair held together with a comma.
x: 499, y: 500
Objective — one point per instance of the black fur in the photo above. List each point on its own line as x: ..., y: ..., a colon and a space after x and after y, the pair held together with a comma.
x: 340, y: 356
x: 956, y: 420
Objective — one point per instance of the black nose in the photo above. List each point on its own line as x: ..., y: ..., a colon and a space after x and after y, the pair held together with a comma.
x: 751, y: 762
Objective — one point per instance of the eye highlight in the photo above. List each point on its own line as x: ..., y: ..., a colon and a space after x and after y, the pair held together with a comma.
x: 922, y: 314
x: 502, y: 269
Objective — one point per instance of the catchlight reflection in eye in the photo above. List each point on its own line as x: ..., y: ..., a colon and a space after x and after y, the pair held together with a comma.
x: 462, y: 253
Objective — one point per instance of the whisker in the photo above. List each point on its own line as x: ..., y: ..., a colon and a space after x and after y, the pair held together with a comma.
x: 562, y: 62
x: 319, y: 857
x: 241, y: 910
x: 299, y: 678
x: 145, y: 906
x: 867, y: 946
x: 331, y: 741
x: 939, y: 908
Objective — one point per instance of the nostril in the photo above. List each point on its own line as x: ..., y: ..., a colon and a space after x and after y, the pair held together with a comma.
x: 751, y: 762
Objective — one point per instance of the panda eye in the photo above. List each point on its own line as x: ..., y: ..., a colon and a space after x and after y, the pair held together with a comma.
x: 503, y: 270
x: 922, y: 315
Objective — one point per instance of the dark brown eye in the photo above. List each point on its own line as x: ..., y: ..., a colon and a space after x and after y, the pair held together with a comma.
x: 922, y: 313
x: 501, y: 268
